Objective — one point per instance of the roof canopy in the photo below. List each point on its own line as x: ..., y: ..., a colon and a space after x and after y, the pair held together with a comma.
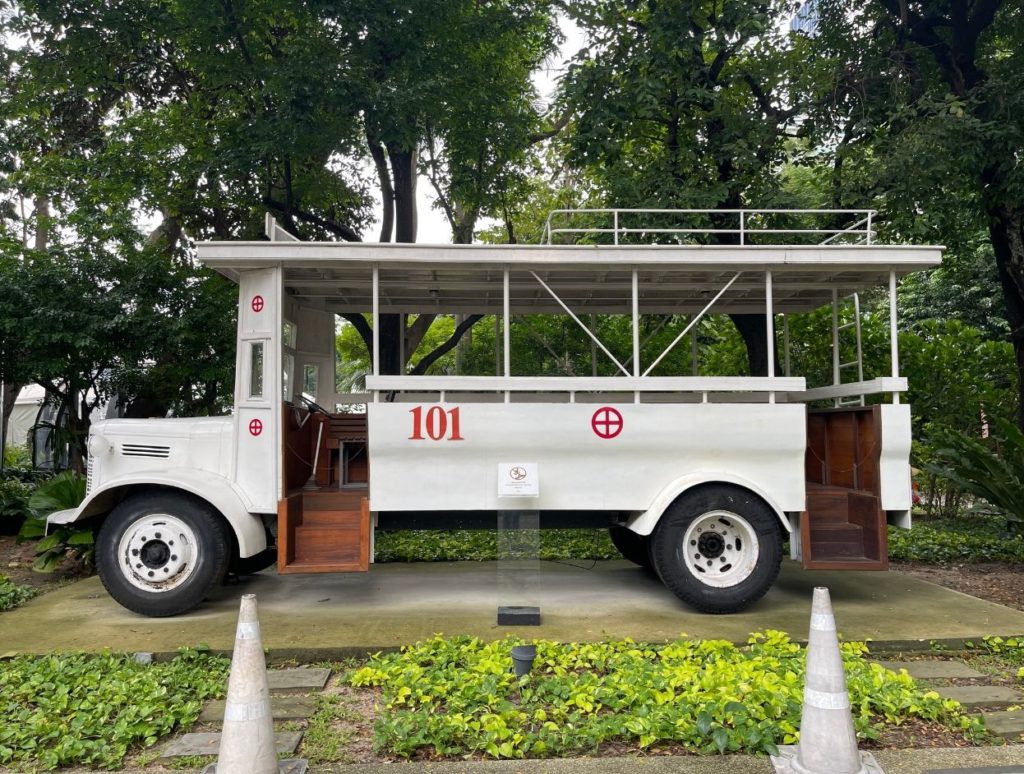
x: 673, y: 279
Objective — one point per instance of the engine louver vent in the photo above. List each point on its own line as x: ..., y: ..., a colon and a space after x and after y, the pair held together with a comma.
x: 145, y: 450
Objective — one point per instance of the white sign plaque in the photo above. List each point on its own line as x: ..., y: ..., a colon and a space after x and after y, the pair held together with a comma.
x: 518, y: 479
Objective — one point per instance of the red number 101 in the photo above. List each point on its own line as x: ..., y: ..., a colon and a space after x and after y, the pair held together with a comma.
x: 435, y: 423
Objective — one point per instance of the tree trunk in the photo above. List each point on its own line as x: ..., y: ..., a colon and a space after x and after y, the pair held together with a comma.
x: 11, y: 391
x: 1005, y: 230
x: 755, y: 336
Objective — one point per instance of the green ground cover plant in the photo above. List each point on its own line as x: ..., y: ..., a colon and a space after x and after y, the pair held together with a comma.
x: 12, y: 595
x: 971, y: 539
x: 458, y: 697
x: 91, y: 710
x: 482, y: 545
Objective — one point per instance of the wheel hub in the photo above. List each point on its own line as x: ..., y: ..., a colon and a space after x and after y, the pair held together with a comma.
x: 711, y: 545
x: 720, y: 548
x: 157, y: 552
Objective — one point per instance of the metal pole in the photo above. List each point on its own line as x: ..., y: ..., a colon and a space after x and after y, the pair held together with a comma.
x: 376, y: 327
x: 3, y: 433
x: 894, y: 344
x: 636, y: 324
x: 593, y: 346
x: 835, y: 336
x: 506, y: 333
x: 497, y: 345
x: 695, y: 364
x: 785, y: 344
x: 769, y: 329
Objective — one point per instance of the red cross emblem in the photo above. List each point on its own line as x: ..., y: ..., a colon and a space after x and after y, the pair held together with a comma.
x: 257, y: 304
x: 255, y: 427
x: 606, y: 422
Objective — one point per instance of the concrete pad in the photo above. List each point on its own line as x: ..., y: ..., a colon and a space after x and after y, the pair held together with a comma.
x: 981, y: 695
x: 297, y: 680
x: 1008, y: 725
x: 209, y: 744
x: 318, y: 616
x: 933, y: 670
x: 281, y: 708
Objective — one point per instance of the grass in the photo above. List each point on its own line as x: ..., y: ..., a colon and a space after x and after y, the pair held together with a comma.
x: 326, y: 739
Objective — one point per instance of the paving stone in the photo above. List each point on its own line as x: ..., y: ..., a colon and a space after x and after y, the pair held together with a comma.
x: 287, y: 742
x: 290, y: 766
x: 295, y: 680
x: 281, y: 708
x: 1009, y: 725
x: 981, y: 695
x: 933, y: 670
x: 979, y: 770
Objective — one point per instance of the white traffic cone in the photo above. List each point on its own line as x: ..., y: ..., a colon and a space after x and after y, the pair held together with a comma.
x: 828, y: 743
x: 247, y: 739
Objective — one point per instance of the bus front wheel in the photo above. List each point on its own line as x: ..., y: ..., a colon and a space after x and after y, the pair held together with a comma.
x: 718, y: 548
x: 160, y: 553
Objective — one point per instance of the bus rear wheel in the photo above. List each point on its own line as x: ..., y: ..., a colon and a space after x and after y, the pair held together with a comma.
x: 160, y: 553
x: 632, y: 546
x: 718, y: 548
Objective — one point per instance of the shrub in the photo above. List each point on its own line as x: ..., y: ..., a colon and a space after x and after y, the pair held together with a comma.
x: 12, y: 595
x: 91, y: 710
x: 14, y: 508
x: 975, y: 539
x: 458, y: 697
x: 482, y: 545
x: 65, y: 490
x: 992, y: 470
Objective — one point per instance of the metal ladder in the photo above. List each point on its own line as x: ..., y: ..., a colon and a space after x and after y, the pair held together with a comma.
x: 858, y: 362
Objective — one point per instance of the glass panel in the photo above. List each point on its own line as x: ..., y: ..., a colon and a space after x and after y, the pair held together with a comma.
x: 289, y: 334
x: 310, y: 377
x: 286, y: 377
x: 256, y: 370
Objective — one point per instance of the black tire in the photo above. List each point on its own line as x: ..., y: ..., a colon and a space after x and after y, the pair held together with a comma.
x: 160, y: 553
x: 733, y: 549
x: 251, y: 565
x: 632, y: 546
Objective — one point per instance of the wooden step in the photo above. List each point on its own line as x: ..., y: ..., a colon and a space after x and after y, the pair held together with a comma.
x: 321, y: 544
x: 843, y: 528
x: 314, y: 537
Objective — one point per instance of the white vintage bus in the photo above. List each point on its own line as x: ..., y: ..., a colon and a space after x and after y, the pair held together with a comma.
x: 701, y: 478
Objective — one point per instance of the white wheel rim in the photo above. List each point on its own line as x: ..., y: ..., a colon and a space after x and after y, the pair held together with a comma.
x: 158, y: 552
x: 720, y: 549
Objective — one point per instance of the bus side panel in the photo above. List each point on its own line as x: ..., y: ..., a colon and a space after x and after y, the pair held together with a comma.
x: 431, y: 456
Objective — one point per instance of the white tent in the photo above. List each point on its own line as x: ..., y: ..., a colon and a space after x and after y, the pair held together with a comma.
x: 23, y: 415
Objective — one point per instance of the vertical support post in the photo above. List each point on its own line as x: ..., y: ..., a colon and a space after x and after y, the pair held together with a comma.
x: 497, y: 345
x: 743, y: 227
x: 636, y: 330
x: 835, y: 336
x: 593, y: 346
x: 869, y: 227
x: 615, y: 226
x: 376, y: 327
x: 403, y: 320
x: 769, y: 326
x: 785, y: 344
x: 506, y: 333
x: 694, y: 362
x: 894, y: 344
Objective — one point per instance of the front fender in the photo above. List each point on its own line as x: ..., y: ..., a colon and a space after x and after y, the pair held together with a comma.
x: 644, y: 523
x: 214, y: 489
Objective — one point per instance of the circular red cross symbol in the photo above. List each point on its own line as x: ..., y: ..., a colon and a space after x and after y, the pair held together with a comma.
x: 606, y: 422
x: 255, y: 427
x: 257, y: 304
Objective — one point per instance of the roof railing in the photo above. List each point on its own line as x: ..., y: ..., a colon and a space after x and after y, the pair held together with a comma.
x: 749, y: 224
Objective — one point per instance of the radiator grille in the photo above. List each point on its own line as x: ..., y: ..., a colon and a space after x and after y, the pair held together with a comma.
x: 88, y: 475
x: 145, y: 450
